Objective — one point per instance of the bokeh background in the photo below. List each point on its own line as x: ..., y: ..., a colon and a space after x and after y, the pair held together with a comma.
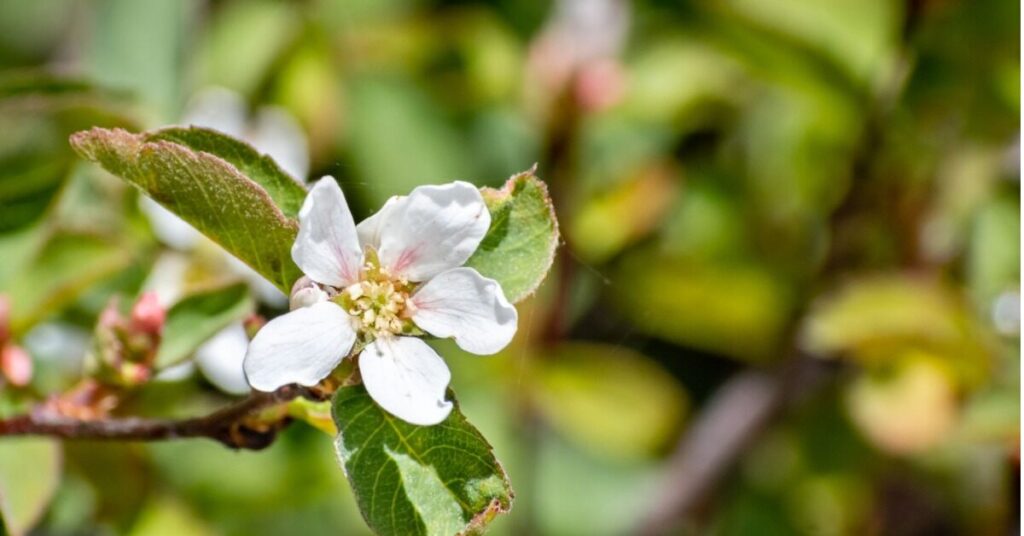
x: 787, y: 300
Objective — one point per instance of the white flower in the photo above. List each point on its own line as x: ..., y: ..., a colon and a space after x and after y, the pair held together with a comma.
x: 220, y: 359
x: 394, y: 277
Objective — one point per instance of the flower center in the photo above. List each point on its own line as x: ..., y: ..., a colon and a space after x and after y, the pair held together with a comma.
x: 380, y: 302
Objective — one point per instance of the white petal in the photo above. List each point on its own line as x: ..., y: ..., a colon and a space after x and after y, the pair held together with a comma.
x: 168, y: 227
x: 369, y: 229
x: 301, y: 347
x: 177, y: 372
x: 435, y: 229
x: 220, y: 359
x: 266, y: 291
x: 407, y: 378
x: 327, y: 248
x: 275, y: 132
x: 467, y: 306
x: 218, y: 108
x: 306, y: 295
x: 167, y: 278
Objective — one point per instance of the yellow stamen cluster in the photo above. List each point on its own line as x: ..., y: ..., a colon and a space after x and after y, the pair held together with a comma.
x: 380, y: 302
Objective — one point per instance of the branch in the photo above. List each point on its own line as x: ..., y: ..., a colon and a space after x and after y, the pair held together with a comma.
x: 227, y: 425
x: 734, y: 416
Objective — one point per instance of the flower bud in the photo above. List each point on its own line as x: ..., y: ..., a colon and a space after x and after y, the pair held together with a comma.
x: 252, y: 324
x: 600, y: 85
x: 305, y: 293
x: 16, y: 365
x: 148, y: 315
x: 109, y: 318
x: 134, y: 373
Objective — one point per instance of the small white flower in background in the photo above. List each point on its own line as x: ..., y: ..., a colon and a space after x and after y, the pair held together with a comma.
x: 220, y: 359
x: 395, y: 277
x: 272, y: 131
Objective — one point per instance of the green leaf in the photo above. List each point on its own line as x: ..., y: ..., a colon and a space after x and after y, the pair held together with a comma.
x: 67, y: 265
x: 877, y: 318
x: 201, y: 176
x: 611, y: 400
x: 29, y: 475
x: 739, y: 310
x: 193, y: 320
x: 418, y: 480
x: 520, y: 245
x: 37, y: 114
x: 388, y: 117
x: 282, y: 187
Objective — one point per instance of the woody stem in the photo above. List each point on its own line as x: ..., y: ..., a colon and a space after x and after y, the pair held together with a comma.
x: 226, y: 425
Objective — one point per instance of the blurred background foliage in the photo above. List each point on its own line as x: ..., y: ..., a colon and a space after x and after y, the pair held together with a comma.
x: 744, y: 187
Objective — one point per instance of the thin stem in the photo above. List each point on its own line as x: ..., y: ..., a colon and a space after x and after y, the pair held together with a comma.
x: 227, y: 425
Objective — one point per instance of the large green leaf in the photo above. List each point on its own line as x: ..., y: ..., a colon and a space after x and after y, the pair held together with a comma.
x: 418, y: 480
x: 29, y: 475
x: 200, y: 175
x: 283, y: 188
x: 193, y: 320
x: 398, y: 138
x: 610, y: 400
x: 738, y: 310
x: 66, y: 266
x: 37, y: 114
x: 520, y: 245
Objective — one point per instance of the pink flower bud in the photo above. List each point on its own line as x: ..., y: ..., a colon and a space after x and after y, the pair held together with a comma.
x: 600, y: 85
x: 252, y: 324
x: 148, y: 315
x: 16, y: 365
x: 109, y: 318
x: 134, y: 373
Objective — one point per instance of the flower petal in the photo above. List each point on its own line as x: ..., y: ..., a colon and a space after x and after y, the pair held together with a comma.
x: 301, y: 347
x: 168, y: 227
x: 264, y: 290
x: 407, y: 378
x: 218, y: 108
x: 274, y: 131
x: 369, y: 229
x: 468, y: 307
x: 435, y: 229
x: 220, y: 359
x: 327, y: 248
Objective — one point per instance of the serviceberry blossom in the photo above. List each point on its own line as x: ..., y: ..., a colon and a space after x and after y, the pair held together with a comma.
x: 379, y: 287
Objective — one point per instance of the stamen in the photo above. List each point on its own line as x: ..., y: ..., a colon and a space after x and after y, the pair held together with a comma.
x: 380, y: 302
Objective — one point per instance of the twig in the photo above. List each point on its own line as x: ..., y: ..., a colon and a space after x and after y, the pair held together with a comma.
x: 743, y: 407
x: 734, y: 416
x: 227, y: 425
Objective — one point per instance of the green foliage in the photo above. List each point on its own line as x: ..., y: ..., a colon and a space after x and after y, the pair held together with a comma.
x: 740, y: 183
x: 422, y: 480
x: 877, y: 319
x: 392, y: 117
x: 67, y: 265
x: 520, y: 245
x: 207, y: 190
x: 617, y: 402
x: 37, y: 114
x: 261, y: 169
x: 29, y: 475
x: 742, y: 309
x: 193, y: 320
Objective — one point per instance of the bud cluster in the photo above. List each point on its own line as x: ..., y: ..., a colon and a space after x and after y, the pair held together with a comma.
x: 125, y: 348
